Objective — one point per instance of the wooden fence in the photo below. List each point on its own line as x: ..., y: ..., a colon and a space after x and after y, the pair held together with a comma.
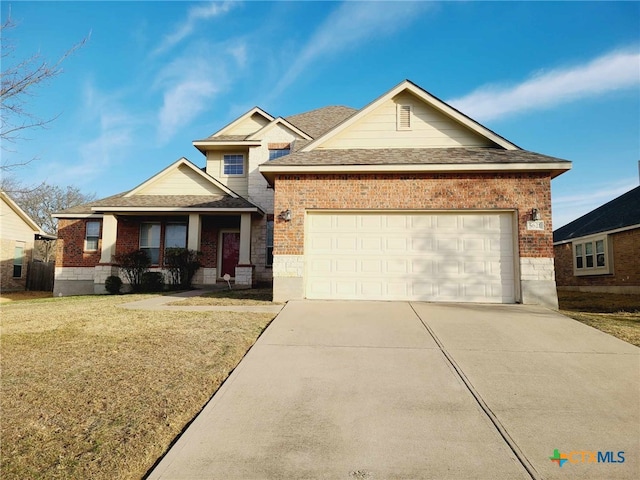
x: 40, y: 276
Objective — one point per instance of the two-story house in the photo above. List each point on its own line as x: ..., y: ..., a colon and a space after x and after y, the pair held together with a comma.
x: 404, y: 199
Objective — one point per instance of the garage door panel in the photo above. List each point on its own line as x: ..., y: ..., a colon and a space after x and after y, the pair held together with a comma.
x: 347, y: 244
x: 396, y: 244
x: 422, y: 266
x: 430, y: 257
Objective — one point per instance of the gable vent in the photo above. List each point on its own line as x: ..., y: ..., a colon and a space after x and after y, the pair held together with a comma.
x: 403, y: 114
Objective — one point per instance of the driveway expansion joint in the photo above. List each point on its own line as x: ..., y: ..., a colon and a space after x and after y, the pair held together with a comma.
x: 521, y: 457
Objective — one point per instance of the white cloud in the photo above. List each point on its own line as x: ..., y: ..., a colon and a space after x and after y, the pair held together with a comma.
x: 348, y: 26
x: 189, y: 86
x: 569, y: 207
x: 195, y: 14
x: 616, y: 70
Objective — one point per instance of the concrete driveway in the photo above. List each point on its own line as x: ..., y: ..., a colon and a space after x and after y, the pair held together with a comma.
x: 396, y: 390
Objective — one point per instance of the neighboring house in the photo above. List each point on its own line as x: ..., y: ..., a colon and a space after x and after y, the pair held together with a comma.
x: 600, y: 251
x: 405, y: 199
x: 18, y: 233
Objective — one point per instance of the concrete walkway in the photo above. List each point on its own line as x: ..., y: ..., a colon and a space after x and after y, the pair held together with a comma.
x: 382, y: 390
x: 161, y: 302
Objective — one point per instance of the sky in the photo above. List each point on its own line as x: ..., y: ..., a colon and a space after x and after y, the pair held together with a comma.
x: 557, y: 78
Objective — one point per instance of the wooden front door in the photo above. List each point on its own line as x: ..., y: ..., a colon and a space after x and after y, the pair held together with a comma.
x: 230, y: 253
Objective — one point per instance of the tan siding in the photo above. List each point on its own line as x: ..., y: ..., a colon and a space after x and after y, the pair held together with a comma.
x: 429, y: 129
x: 248, y: 125
x: 240, y: 185
x: 12, y: 226
x: 182, y: 181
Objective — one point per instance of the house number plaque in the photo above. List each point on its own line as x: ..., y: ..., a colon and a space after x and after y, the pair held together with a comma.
x: 535, y: 225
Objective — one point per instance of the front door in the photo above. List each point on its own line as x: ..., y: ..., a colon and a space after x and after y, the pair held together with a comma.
x: 230, y: 253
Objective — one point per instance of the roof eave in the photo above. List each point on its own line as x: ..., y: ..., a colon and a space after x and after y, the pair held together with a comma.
x: 595, y: 234
x: 116, y: 209
x: 207, y: 145
x: 555, y: 168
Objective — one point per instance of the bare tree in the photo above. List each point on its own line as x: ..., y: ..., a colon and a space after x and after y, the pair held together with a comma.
x: 44, y: 200
x: 19, y: 81
x: 41, y: 202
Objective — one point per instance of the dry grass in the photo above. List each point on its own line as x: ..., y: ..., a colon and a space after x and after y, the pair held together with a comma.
x: 617, y: 315
x: 23, y: 295
x: 247, y: 296
x: 91, y: 390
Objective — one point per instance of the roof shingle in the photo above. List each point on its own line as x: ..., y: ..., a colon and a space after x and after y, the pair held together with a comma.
x: 620, y: 212
x: 161, y: 201
x: 317, y: 122
x: 412, y: 156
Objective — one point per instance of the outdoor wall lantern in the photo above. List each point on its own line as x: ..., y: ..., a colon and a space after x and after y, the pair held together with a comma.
x: 285, y: 215
x: 535, y: 214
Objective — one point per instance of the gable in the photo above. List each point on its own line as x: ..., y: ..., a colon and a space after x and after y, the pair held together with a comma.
x: 248, y: 125
x: 430, y: 128
x: 179, y: 181
x: 14, y: 223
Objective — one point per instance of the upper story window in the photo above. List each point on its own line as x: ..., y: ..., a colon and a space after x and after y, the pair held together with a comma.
x: 233, y: 164
x: 277, y: 150
x: 92, y: 235
x: 404, y: 114
x: 592, y: 256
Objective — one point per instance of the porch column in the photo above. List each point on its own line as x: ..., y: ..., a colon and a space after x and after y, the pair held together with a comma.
x: 109, y: 232
x: 244, y: 270
x: 245, y: 239
x: 194, y: 232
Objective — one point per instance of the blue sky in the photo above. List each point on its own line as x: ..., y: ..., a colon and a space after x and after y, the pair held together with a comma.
x: 558, y: 78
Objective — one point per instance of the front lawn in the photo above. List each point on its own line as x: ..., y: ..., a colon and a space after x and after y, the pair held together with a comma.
x: 234, y: 296
x: 92, y: 390
x: 615, y: 314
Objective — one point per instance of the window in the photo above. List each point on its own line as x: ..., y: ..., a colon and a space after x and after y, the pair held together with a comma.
x: 18, y: 258
x: 591, y: 257
x: 175, y: 235
x: 269, y: 241
x: 278, y: 152
x: 150, y: 241
x: 233, y: 164
x: 92, y: 235
x: 403, y: 117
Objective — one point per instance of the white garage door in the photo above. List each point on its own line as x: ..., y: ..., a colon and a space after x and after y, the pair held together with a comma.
x: 461, y: 257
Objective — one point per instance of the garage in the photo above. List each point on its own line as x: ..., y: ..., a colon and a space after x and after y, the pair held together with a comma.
x: 427, y: 256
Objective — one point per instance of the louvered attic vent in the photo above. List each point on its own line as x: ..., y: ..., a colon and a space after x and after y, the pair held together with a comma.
x: 403, y: 117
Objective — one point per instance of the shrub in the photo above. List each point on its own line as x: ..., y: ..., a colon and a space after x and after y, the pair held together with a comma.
x: 182, y: 264
x: 113, y: 284
x: 152, y: 282
x: 134, y: 264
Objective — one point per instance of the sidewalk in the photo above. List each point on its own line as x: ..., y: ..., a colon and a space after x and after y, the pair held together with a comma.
x: 161, y: 302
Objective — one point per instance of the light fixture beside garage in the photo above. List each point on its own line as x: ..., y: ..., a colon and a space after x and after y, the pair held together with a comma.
x: 535, y: 215
x: 285, y: 215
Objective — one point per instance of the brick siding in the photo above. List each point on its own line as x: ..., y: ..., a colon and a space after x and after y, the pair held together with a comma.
x: 626, y: 264
x: 70, y: 244
x: 520, y: 191
x: 71, y: 235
